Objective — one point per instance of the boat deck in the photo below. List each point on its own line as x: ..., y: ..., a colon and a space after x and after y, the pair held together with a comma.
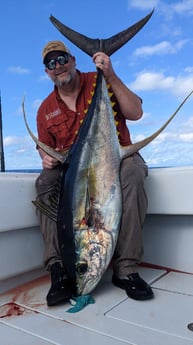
x: 113, y: 319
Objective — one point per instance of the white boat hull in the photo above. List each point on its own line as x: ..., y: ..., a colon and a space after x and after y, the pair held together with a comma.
x: 114, y: 319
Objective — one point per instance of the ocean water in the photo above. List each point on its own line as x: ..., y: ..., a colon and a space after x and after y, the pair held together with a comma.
x: 24, y: 170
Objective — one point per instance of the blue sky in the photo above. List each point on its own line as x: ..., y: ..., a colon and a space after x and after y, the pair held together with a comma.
x: 157, y: 64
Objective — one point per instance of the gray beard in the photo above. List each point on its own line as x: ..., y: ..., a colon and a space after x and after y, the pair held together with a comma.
x: 66, y: 80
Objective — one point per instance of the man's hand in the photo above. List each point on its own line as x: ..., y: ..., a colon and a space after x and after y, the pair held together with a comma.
x: 103, y: 62
x: 48, y: 162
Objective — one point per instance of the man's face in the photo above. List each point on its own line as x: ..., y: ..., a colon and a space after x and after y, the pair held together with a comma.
x: 60, y: 67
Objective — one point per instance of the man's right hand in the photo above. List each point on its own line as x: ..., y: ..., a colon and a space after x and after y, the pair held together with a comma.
x: 48, y: 162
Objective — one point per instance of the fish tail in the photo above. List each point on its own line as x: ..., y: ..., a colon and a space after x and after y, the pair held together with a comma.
x: 109, y: 45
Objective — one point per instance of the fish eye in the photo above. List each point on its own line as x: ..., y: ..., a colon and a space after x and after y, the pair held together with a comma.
x: 82, y: 267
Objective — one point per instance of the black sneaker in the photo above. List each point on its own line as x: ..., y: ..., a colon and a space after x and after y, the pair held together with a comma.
x: 134, y: 286
x: 60, y: 290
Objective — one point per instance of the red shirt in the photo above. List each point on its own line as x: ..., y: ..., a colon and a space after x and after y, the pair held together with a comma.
x: 58, y: 125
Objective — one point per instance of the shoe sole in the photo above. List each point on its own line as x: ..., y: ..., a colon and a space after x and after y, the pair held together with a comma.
x: 58, y: 301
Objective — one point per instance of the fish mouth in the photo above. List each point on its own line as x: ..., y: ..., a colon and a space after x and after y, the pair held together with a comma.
x: 89, y: 285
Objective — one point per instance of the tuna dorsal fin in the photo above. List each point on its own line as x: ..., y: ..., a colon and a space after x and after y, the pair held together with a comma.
x: 109, y: 45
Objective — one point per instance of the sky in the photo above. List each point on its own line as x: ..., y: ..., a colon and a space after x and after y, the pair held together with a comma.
x: 157, y: 64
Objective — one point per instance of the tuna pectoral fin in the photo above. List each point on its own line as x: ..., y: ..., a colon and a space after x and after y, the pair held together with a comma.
x: 128, y: 151
x: 108, y: 46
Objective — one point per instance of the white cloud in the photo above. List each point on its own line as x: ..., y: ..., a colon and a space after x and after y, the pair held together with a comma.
x: 18, y: 142
x: 169, y: 149
x: 22, y: 150
x: 179, y: 85
x: 161, y: 138
x: 181, y: 7
x: 18, y: 70
x: 8, y: 141
x: 185, y: 6
x: 186, y: 137
x: 143, y: 4
x: 161, y: 48
x: 20, y: 153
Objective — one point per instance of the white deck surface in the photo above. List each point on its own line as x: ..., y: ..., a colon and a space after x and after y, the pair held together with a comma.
x: 114, y: 319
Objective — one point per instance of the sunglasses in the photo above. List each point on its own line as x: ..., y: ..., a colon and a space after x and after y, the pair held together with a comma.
x: 62, y: 60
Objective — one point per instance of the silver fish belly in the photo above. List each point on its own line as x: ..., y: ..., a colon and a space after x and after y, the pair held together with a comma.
x: 97, y: 202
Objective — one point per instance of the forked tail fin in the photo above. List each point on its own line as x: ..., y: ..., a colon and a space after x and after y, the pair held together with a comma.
x: 109, y: 45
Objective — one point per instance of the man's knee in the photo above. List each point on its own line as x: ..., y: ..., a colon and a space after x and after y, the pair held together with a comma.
x: 48, y: 177
x: 133, y: 171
